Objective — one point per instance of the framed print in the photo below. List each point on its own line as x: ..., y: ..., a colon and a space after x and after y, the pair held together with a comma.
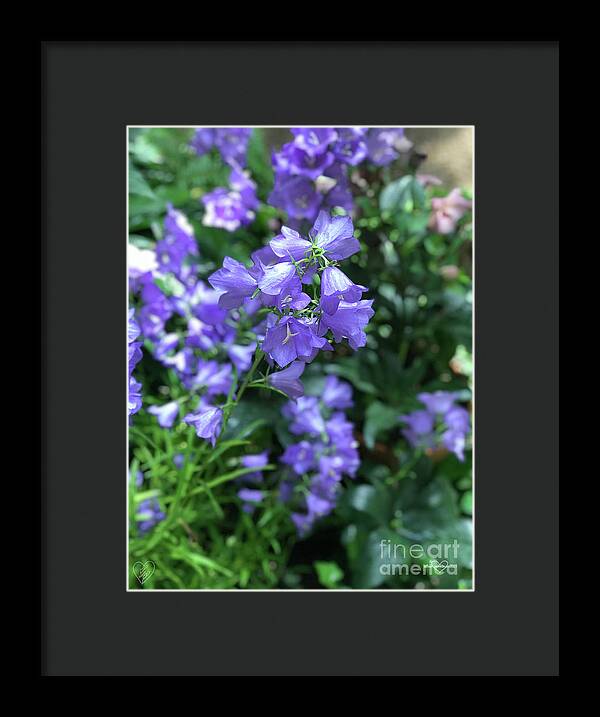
x: 315, y: 398
x: 274, y: 411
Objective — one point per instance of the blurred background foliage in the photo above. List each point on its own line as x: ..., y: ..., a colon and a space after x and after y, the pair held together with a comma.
x: 418, y: 340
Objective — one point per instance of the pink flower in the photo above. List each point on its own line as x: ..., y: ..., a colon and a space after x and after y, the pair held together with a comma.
x: 447, y: 211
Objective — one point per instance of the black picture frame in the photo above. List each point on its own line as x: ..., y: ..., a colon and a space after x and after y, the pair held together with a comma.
x: 91, y: 91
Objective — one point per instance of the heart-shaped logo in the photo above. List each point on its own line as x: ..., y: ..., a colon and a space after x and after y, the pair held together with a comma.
x: 143, y: 571
x: 439, y: 567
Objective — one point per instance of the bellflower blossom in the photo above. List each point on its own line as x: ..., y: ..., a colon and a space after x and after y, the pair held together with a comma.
x: 232, y: 207
x: 319, y: 461
x: 148, y: 514
x: 207, y: 421
x: 288, y: 380
x: 250, y: 498
x: 298, y: 326
x: 177, y: 245
x: 257, y: 461
x: 231, y: 142
x: 210, y: 327
x: 382, y: 144
x: 166, y: 414
x: 134, y: 353
x: 441, y: 423
x: 311, y: 171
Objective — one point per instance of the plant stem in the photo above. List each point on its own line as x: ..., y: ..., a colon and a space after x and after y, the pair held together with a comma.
x: 257, y: 359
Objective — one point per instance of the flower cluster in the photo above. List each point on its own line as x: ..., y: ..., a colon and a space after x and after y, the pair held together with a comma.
x: 297, y: 326
x: 231, y: 142
x: 134, y: 352
x: 232, y: 207
x: 311, y: 171
x: 207, y: 341
x: 442, y: 422
x: 325, y: 453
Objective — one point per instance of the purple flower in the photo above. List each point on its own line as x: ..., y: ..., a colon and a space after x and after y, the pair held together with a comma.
x: 148, y: 514
x: 250, y: 499
x: 232, y: 142
x: 455, y: 441
x: 288, y: 380
x: 336, y: 287
x: 241, y: 356
x: 280, y: 280
x: 382, y: 143
x: 207, y: 421
x: 318, y: 506
x: 304, y: 163
x: 458, y: 423
x: 340, y: 195
x: 249, y: 495
x: 240, y: 182
x: 256, y: 460
x: 348, y: 322
x: 286, y: 491
x: 134, y: 353
x: 134, y: 402
x: 133, y: 329
x: 306, y: 416
x: 336, y: 393
x: 212, y: 376
x: 303, y: 523
x: 419, y: 431
x: 300, y: 456
x: 335, y: 236
x: 226, y: 210
x: 350, y: 147
x: 420, y: 422
x: 234, y: 281
x: 288, y: 340
x: 290, y: 245
x: 457, y: 419
x: 313, y: 139
x: 332, y: 457
x: 165, y: 346
x: 141, y: 263
x: 177, y: 245
x: 155, y: 312
x: 340, y: 430
x: 166, y: 414
x: 203, y: 140
x: 437, y: 402
x: 296, y: 195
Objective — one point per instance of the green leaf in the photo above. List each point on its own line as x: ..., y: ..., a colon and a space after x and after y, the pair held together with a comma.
x: 197, y: 560
x: 225, y: 446
x: 144, y: 151
x: 466, y: 503
x: 369, y: 568
x: 372, y: 500
x: 259, y: 162
x: 169, y: 285
x: 396, y: 194
x: 379, y: 417
x: 138, y: 185
x: 329, y: 574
